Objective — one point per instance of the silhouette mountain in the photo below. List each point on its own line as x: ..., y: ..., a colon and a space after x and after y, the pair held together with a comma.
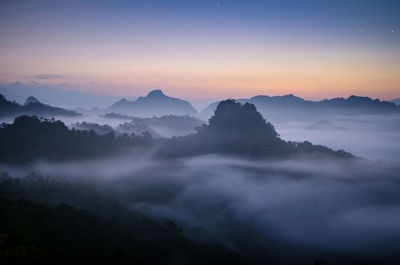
x: 396, y: 101
x: 237, y: 129
x: 32, y: 106
x: 156, y: 103
x: 290, y: 104
x: 7, y: 106
x: 30, y: 138
x: 31, y: 100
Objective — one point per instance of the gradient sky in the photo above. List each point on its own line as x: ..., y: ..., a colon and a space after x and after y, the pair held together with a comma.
x: 204, y: 49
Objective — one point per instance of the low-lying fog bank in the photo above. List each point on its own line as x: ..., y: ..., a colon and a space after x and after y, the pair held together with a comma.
x: 288, y: 211
x: 370, y: 136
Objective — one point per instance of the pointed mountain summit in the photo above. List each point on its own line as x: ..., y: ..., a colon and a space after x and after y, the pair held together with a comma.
x: 155, y: 93
x: 31, y: 100
x: 32, y: 106
x: 237, y: 122
x: 155, y: 103
x: 240, y: 130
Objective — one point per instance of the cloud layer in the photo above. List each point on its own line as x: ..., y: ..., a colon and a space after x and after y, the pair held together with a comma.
x: 288, y: 210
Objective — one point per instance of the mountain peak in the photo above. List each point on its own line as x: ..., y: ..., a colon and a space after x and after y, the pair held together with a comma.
x: 155, y: 103
x: 242, y: 121
x: 155, y: 93
x: 123, y: 100
x: 31, y: 100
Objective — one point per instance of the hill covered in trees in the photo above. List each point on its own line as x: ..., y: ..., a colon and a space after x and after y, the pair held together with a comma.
x: 167, y: 125
x: 30, y: 138
x: 237, y: 129
x: 36, y: 227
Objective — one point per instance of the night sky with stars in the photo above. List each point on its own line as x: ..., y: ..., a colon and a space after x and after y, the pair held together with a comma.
x: 204, y: 49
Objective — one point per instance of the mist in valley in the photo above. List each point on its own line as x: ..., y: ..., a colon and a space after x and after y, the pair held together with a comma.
x: 290, y: 211
x: 285, y: 211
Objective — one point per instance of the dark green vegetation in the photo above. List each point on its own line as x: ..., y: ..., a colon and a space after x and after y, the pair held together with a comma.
x: 57, y: 233
x: 173, y: 123
x: 97, y: 128
x: 30, y: 138
x: 237, y: 129
x: 32, y: 107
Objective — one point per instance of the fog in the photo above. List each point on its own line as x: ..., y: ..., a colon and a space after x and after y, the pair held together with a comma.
x: 306, y: 208
x: 289, y: 211
x: 370, y: 136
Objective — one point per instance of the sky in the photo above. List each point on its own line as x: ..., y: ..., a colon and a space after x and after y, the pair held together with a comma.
x: 204, y: 49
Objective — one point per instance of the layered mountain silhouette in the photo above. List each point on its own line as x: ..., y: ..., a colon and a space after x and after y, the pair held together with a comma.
x: 30, y: 138
x: 32, y: 106
x: 156, y: 103
x: 290, y: 104
x: 167, y: 125
x: 234, y: 129
x: 237, y: 129
x: 396, y: 101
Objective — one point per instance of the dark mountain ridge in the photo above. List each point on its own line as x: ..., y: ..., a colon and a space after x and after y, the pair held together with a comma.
x: 32, y: 106
x: 396, y: 101
x: 29, y: 139
x: 156, y: 103
x: 237, y: 129
x: 296, y: 105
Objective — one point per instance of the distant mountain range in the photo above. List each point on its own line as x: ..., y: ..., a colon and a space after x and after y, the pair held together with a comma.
x: 276, y: 108
x: 241, y: 130
x: 64, y: 98
x: 32, y: 106
x: 234, y: 129
x: 290, y: 104
x: 156, y: 103
x: 396, y: 101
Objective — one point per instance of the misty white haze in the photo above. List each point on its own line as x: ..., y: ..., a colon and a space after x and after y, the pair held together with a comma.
x: 246, y: 132
x: 329, y: 205
x: 312, y: 206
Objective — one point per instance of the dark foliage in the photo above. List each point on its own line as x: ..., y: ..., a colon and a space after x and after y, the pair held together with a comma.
x: 235, y: 129
x: 241, y: 130
x: 31, y: 138
x: 37, y: 226
x: 137, y: 128
x: 35, y: 234
x: 171, y: 122
x: 113, y: 115
x: 97, y: 128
